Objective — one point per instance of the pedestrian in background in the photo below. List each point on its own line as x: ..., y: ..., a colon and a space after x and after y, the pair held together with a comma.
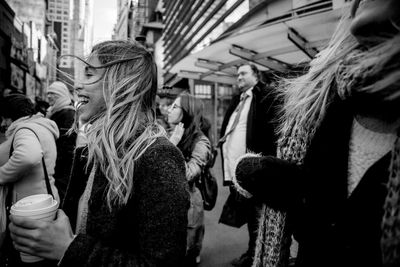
x: 21, y: 168
x: 127, y: 199
x: 62, y: 111
x: 164, y: 103
x: 337, y: 178
x: 248, y: 125
x: 186, y: 115
x: 41, y: 105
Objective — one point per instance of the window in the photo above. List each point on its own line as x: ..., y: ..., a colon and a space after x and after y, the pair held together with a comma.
x: 202, y: 91
x: 225, y: 90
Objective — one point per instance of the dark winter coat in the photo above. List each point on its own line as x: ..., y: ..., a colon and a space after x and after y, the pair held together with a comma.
x: 65, y: 148
x: 261, y: 120
x: 150, y: 230
x: 332, y: 229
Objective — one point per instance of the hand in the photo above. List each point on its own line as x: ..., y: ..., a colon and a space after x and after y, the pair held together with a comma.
x: 177, y: 134
x: 48, y: 240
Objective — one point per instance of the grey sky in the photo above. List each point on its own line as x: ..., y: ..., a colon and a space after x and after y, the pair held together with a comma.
x: 105, y: 17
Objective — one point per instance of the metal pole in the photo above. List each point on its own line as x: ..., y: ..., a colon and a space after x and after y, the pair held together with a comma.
x: 215, y: 105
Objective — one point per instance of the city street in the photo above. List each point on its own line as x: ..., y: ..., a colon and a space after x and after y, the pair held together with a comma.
x: 222, y: 243
x: 310, y: 86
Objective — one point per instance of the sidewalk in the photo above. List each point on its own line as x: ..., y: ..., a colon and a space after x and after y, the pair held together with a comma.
x: 221, y: 243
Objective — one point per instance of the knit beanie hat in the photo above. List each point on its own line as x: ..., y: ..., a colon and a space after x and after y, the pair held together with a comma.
x: 59, y: 88
x: 16, y: 106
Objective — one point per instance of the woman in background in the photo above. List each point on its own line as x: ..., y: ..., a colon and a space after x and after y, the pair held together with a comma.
x: 186, y: 114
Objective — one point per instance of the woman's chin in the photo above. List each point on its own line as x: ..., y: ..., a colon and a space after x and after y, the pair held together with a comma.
x: 365, y: 31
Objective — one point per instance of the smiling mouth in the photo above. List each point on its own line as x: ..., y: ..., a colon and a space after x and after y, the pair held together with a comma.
x: 82, y: 100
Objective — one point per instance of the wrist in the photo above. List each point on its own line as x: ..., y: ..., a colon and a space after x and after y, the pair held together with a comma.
x: 68, y: 243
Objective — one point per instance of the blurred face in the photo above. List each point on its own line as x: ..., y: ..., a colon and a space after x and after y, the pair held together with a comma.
x: 246, y: 78
x: 51, y: 98
x: 164, y: 106
x: 373, y: 17
x: 90, y: 96
x: 5, y: 123
x: 175, y: 112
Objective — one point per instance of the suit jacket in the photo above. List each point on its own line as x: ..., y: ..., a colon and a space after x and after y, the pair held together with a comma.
x: 260, y: 138
x: 261, y: 121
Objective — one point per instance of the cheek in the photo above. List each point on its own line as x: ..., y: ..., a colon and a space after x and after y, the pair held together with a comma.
x: 175, y: 116
x: 99, y: 103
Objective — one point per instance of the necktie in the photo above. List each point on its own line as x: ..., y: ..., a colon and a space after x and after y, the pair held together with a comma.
x: 238, y: 110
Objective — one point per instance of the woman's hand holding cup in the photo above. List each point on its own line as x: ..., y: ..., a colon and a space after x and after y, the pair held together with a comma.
x: 46, y: 239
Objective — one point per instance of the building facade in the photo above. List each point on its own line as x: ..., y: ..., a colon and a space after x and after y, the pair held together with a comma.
x: 33, y: 36
x: 141, y: 20
x: 82, y: 35
x: 28, y: 52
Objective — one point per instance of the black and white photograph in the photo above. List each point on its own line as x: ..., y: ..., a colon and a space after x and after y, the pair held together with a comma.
x: 200, y: 133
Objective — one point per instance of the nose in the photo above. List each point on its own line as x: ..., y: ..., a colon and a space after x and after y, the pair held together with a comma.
x: 79, y: 88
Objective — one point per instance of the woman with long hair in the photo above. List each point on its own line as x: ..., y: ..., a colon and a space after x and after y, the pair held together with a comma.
x: 186, y: 113
x: 336, y: 183
x: 126, y: 202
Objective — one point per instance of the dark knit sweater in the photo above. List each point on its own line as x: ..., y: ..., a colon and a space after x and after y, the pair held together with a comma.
x: 149, y: 231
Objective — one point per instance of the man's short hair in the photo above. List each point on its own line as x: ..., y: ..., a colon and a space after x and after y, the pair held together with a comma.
x: 254, y: 68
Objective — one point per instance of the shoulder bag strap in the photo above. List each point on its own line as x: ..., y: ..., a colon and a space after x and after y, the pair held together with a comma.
x: 46, y: 176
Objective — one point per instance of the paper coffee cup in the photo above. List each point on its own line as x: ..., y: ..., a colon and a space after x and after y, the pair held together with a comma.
x: 38, y: 207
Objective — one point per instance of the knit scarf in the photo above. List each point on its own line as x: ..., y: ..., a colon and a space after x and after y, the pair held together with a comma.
x: 370, y: 75
x: 375, y: 79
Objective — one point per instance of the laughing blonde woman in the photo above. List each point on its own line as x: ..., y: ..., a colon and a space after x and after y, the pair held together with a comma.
x: 127, y: 200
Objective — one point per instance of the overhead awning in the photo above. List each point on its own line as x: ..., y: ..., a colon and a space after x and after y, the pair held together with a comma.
x: 277, y: 46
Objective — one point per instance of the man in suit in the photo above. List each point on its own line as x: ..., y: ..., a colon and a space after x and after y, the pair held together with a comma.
x: 248, y: 126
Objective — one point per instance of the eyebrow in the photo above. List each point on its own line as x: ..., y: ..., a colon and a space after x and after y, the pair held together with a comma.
x: 89, y: 68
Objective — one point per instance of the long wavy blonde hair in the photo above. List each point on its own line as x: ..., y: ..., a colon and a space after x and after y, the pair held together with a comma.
x: 307, y: 97
x: 122, y: 132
